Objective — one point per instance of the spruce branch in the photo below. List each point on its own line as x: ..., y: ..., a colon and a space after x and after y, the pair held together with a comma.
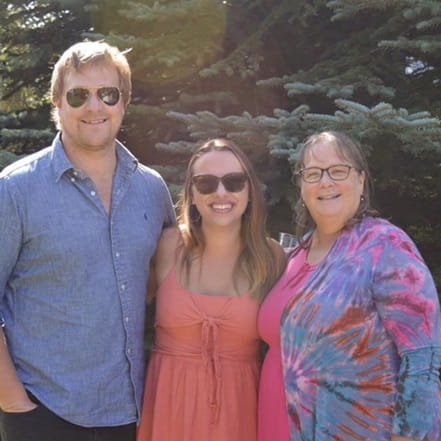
x: 181, y: 147
x: 7, y: 158
x: 245, y: 59
x: 425, y: 46
x: 344, y: 9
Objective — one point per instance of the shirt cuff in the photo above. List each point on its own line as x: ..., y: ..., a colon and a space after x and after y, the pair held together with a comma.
x: 418, y: 403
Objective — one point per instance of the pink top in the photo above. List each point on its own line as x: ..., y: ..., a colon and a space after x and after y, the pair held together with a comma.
x: 272, y: 415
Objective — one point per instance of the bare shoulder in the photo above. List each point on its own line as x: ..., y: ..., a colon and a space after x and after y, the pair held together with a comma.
x: 170, y: 236
x: 166, y: 252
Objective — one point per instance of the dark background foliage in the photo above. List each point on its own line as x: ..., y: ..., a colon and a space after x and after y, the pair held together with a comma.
x: 265, y: 73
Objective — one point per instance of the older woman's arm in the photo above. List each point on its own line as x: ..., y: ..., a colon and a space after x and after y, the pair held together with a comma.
x: 407, y: 301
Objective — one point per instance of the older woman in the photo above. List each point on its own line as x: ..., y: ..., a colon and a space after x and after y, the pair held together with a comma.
x: 212, y: 271
x: 361, y: 325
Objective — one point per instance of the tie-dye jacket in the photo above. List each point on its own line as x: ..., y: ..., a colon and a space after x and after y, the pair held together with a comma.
x: 361, y: 342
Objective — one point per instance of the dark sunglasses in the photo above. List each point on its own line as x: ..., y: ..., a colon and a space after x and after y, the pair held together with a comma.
x: 78, y: 96
x: 232, y: 182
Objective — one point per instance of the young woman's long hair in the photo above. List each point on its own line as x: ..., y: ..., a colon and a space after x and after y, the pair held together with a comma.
x: 257, y: 260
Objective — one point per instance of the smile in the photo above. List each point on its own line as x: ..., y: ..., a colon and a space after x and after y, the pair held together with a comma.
x: 94, y: 121
x: 221, y: 207
x: 327, y: 198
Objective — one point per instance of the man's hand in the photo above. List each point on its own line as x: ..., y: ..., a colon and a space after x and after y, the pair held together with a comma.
x: 13, y: 396
x: 19, y: 406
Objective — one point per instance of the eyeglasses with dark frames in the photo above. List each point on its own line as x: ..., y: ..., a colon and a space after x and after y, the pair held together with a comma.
x: 232, y: 182
x: 77, y: 96
x: 312, y: 175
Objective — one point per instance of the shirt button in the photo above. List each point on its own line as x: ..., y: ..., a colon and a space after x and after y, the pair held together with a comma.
x: 117, y: 254
x: 93, y: 193
x: 129, y: 351
x: 123, y: 286
x: 72, y: 179
x: 75, y: 173
x: 126, y: 319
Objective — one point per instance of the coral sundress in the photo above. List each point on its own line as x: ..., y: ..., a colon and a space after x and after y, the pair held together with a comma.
x: 202, y: 377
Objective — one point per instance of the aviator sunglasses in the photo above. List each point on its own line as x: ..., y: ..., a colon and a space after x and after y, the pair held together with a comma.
x: 232, y: 182
x: 77, y: 96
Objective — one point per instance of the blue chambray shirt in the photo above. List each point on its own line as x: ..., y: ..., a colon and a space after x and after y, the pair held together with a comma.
x: 73, y: 282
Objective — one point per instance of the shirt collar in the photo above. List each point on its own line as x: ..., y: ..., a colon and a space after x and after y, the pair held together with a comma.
x: 61, y: 163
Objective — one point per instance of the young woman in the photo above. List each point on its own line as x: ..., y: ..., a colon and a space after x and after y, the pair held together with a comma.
x: 212, y: 270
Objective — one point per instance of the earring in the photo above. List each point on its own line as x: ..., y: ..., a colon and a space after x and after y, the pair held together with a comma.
x: 303, y: 204
x: 361, y: 198
x: 247, y: 211
x: 195, y: 216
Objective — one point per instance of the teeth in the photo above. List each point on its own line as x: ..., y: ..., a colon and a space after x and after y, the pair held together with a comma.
x: 221, y: 206
x: 328, y: 197
x: 95, y: 121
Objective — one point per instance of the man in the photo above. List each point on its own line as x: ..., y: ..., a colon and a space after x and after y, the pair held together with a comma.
x: 79, y: 223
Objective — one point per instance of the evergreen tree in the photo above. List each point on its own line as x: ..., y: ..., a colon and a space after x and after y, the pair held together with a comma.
x: 267, y: 73
x: 289, y: 68
x: 32, y: 35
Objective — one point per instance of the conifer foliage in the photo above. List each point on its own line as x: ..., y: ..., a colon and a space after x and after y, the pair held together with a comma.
x: 267, y: 73
x: 32, y: 34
